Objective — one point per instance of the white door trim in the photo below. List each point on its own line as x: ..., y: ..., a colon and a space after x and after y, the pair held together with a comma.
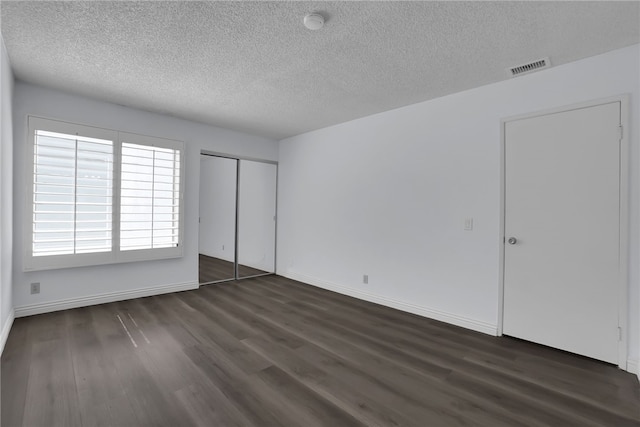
x: 623, y: 285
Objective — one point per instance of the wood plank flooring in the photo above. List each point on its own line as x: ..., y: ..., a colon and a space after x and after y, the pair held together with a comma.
x: 270, y: 351
x: 212, y: 269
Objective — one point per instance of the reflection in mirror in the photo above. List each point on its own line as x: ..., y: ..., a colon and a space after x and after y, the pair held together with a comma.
x: 218, y: 183
x: 256, y: 218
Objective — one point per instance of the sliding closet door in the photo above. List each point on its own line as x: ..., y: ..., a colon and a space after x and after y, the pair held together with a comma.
x: 218, y: 183
x: 256, y: 218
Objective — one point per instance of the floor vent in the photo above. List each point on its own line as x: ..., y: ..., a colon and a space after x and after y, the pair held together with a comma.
x: 530, y: 67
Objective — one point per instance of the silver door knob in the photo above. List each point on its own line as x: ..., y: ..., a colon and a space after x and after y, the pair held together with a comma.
x: 512, y: 240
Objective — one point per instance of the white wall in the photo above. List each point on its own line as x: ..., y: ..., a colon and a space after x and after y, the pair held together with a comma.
x: 6, y: 194
x: 387, y: 195
x: 218, y: 184
x: 77, y: 286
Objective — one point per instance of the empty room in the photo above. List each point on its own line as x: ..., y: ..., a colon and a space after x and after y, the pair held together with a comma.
x: 299, y: 214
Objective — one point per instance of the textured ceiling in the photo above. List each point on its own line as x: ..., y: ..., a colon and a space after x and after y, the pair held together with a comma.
x: 253, y: 66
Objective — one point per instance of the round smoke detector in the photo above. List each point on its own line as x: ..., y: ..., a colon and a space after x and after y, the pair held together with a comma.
x: 314, y: 21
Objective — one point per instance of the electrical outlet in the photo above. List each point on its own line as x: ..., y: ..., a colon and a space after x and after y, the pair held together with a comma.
x: 223, y: 247
x: 468, y: 224
x: 35, y: 288
x: 365, y: 279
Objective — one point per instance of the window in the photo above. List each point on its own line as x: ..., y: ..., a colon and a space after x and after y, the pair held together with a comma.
x: 99, y: 196
x: 73, y: 186
x: 149, y: 197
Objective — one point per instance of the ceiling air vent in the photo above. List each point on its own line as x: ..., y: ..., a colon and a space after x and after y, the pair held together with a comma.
x: 530, y: 67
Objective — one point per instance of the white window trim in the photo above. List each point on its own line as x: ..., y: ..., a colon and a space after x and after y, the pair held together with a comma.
x: 31, y: 263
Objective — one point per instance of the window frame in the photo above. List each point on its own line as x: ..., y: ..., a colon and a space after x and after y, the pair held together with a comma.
x: 115, y: 256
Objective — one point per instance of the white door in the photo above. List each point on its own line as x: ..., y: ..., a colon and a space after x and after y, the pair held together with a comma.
x: 562, y: 185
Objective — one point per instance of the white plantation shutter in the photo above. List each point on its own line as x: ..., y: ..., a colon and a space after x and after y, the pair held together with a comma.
x: 72, y: 189
x: 99, y: 196
x: 149, y: 197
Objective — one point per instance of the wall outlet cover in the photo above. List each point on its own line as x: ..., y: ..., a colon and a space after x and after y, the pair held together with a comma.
x: 35, y: 288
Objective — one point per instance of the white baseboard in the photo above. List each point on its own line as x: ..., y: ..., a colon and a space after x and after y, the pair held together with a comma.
x: 632, y: 366
x: 47, y: 307
x: 6, y: 328
x: 442, y: 316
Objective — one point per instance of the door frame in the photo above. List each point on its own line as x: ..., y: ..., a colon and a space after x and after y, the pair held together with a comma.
x: 623, y: 285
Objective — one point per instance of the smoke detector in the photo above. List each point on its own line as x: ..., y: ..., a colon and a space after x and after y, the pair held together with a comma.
x: 529, y: 67
x: 314, y: 21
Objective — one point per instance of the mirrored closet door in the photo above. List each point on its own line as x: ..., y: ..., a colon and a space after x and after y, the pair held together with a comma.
x: 237, y: 218
x: 256, y: 218
x: 218, y: 183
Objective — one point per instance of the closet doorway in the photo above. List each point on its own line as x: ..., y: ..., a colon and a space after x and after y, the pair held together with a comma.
x: 237, y: 233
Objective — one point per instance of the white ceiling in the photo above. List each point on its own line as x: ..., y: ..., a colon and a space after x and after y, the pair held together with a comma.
x: 253, y: 66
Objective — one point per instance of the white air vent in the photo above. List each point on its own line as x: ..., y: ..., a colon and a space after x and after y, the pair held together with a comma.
x: 530, y: 67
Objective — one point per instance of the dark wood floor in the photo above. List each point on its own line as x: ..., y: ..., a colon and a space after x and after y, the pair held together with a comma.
x: 212, y: 269
x: 273, y: 352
